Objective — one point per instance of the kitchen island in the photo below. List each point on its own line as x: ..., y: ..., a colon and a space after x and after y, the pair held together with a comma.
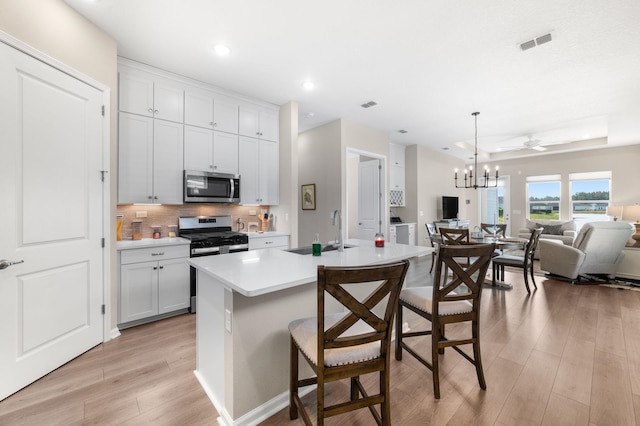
x: 245, y: 303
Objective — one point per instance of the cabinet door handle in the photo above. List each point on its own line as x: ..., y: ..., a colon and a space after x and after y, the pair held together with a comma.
x: 150, y: 197
x: 4, y: 263
x: 158, y: 254
x: 162, y: 267
x: 211, y: 123
x: 215, y: 124
x: 155, y: 111
x: 155, y: 268
x: 150, y: 110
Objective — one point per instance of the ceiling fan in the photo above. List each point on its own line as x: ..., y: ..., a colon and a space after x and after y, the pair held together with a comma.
x: 530, y: 143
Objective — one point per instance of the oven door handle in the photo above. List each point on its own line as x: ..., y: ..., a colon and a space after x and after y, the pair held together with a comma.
x: 207, y: 250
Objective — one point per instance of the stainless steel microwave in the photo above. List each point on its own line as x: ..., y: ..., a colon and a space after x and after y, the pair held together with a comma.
x: 205, y: 187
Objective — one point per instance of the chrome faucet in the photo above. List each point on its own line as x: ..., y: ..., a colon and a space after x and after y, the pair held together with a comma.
x: 336, y: 217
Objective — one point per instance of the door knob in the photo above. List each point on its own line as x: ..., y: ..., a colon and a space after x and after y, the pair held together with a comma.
x: 4, y: 263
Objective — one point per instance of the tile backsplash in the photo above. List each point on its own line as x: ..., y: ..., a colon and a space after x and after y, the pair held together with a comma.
x: 165, y: 215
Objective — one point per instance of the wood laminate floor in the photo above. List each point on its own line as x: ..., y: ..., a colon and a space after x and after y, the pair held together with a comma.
x: 564, y: 355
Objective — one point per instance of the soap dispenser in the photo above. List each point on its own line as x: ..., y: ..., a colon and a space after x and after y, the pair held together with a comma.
x: 316, y: 247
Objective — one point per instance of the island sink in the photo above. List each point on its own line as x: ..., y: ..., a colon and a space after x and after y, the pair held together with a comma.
x: 308, y: 249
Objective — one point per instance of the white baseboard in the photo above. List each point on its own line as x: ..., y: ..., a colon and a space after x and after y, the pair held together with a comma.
x: 255, y: 416
x: 115, y: 333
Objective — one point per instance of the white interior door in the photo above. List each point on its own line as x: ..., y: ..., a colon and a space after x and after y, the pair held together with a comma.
x: 51, y: 216
x: 368, y: 199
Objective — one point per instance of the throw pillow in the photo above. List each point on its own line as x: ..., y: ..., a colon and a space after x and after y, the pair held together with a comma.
x: 551, y: 229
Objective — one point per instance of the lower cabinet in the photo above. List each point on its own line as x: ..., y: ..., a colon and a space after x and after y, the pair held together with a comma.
x: 150, y: 288
x: 280, y: 242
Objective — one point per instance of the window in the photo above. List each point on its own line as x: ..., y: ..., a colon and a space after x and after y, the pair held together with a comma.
x: 543, y: 197
x: 590, y: 196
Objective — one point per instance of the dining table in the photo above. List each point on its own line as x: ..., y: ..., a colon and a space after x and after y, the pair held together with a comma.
x: 500, y: 244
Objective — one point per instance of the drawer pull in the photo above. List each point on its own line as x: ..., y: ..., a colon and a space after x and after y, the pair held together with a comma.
x: 157, y: 254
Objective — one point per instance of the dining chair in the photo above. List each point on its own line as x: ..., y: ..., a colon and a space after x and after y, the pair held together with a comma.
x: 501, y: 229
x: 525, y: 262
x: 452, y: 299
x: 348, y: 344
x: 454, y: 236
x: 431, y: 231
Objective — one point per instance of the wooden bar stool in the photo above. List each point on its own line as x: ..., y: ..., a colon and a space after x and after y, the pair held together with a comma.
x: 453, y: 298
x: 348, y: 344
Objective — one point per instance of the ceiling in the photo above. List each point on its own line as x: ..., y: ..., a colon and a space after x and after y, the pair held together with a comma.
x: 427, y: 64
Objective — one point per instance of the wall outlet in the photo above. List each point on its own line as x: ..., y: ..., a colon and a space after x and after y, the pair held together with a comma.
x: 141, y: 214
x: 227, y: 320
x: 421, y: 213
x: 252, y: 212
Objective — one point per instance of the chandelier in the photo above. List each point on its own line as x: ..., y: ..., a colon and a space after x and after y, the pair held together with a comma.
x: 471, y: 180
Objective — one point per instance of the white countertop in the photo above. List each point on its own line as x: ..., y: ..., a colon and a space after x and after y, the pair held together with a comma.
x: 402, y: 223
x: 150, y: 242
x: 259, y: 272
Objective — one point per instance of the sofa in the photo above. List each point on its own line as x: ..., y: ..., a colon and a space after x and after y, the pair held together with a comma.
x: 597, y: 250
x: 559, y: 231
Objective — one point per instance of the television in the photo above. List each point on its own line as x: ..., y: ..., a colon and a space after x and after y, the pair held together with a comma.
x: 449, y: 207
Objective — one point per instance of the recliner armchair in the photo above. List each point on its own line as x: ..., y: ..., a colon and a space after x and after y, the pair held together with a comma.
x: 597, y: 250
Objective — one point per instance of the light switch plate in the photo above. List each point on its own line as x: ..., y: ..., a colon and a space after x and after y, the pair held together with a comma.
x: 252, y: 212
x: 227, y: 320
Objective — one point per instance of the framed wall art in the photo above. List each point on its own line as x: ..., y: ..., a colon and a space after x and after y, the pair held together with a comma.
x: 309, y: 196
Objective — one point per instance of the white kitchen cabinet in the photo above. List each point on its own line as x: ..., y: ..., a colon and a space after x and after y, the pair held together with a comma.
x: 266, y: 241
x: 149, y: 95
x: 150, y: 160
x: 150, y: 288
x: 397, y: 175
x: 259, y: 171
x: 258, y: 122
x: 210, y: 151
x: 209, y: 110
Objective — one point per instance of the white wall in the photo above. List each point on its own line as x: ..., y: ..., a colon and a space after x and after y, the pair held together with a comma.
x: 55, y: 29
x: 621, y: 161
x: 286, y: 213
x: 429, y: 176
x: 319, y: 162
x: 322, y: 156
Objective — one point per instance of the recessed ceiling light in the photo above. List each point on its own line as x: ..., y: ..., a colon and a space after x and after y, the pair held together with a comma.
x: 221, y: 49
x: 403, y: 131
x: 308, y: 85
x: 445, y: 148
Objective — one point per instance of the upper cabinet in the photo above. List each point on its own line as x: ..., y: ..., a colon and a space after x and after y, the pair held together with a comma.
x: 149, y: 95
x: 396, y: 175
x: 210, y: 151
x: 150, y: 160
x: 211, y: 111
x: 257, y: 122
x: 169, y: 123
x: 259, y: 171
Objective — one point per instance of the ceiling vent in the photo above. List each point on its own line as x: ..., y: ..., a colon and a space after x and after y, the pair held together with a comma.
x: 369, y: 104
x: 535, y: 42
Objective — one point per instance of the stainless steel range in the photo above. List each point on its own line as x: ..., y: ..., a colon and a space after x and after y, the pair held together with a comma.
x: 210, y: 236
